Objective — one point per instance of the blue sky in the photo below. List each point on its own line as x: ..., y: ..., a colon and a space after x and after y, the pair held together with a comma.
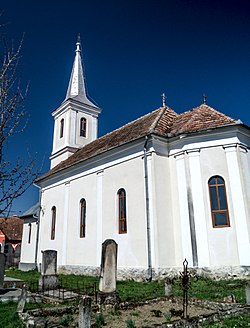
x: 133, y: 51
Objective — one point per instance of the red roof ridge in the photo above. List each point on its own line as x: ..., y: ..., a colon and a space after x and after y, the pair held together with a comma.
x: 158, y: 117
x: 127, y: 124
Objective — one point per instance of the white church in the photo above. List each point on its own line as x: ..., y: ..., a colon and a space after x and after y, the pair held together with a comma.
x: 165, y: 187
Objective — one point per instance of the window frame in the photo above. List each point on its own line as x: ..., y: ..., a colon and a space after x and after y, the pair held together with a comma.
x: 83, y: 206
x: 83, y: 127
x: 53, y: 223
x: 122, y: 211
x: 61, y: 128
x: 219, y: 201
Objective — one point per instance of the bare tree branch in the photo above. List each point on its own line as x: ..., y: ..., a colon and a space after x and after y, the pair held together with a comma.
x: 15, y: 176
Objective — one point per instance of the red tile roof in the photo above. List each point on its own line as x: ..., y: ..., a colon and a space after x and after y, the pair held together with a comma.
x: 12, y: 227
x: 202, y: 117
x: 163, y: 121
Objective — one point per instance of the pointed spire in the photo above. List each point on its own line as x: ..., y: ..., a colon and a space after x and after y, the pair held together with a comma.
x: 76, y: 88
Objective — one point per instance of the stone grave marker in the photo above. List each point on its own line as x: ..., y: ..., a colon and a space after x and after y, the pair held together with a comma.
x: 168, y: 287
x: 108, y: 274
x: 49, y: 277
x: 49, y: 262
x: 2, y: 269
x: 248, y: 293
x: 22, y: 300
x: 85, y: 312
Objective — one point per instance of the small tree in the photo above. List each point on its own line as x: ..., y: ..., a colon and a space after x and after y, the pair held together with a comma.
x: 15, y: 175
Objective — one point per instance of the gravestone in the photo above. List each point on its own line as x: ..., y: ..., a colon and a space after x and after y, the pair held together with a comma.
x: 168, y: 287
x: 2, y: 269
x: 107, y: 284
x: 49, y: 277
x: 248, y: 293
x: 85, y: 312
x: 22, y: 300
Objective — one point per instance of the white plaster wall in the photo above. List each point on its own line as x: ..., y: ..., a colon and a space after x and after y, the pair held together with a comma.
x: 99, y: 188
x: 58, y: 142
x: 71, y: 135
x: 28, y: 249
x: 244, y: 161
x: 49, y: 198
x: 165, y: 250
x: 194, y: 170
x: 82, y: 251
x: 132, y: 247
x: 222, y: 242
x: 91, y: 129
x: 181, y: 210
x: 176, y: 211
x: 233, y: 164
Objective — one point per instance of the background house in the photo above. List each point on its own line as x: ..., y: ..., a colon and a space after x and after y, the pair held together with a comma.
x: 30, y: 237
x: 10, y: 239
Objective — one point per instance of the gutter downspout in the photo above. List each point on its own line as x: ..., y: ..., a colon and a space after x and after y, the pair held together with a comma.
x: 150, y: 275
x: 38, y: 226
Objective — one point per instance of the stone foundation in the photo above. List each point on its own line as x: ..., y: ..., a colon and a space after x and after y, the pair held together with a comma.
x: 140, y: 274
x: 24, y: 266
x: 78, y: 270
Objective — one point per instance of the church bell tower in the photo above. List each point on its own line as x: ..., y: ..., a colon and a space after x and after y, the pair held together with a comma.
x: 76, y: 119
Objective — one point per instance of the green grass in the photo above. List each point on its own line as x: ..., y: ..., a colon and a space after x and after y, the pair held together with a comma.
x: 8, y: 316
x: 138, y: 291
x: 214, y: 290
x: 27, y: 276
x: 233, y: 322
x: 79, y: 282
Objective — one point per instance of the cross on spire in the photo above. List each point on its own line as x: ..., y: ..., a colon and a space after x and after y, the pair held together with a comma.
x: 204, y: 99
x: 163, y: 99
x: 78, y: 43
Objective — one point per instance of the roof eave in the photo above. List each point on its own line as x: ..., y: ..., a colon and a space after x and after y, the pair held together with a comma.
x: 170, y: 135
x: 47, y: 177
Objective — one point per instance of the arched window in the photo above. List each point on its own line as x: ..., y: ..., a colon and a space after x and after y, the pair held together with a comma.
x: 83, y: 127
x: 61, y: 127
x: 29, y: 235
x: 218, y: 201
x: 82, y: 217
x: 53, y: 222
x: 122, y: 216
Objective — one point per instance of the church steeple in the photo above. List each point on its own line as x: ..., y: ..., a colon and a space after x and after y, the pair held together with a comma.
x: 77, y: 88
x: 76, y: 118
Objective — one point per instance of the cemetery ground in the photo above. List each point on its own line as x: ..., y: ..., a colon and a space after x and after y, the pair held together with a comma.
x: 131, y: 292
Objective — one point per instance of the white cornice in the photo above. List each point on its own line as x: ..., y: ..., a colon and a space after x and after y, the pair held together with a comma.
x: 63, y: 151
x: 71, y: 104
x: 234, y: 134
